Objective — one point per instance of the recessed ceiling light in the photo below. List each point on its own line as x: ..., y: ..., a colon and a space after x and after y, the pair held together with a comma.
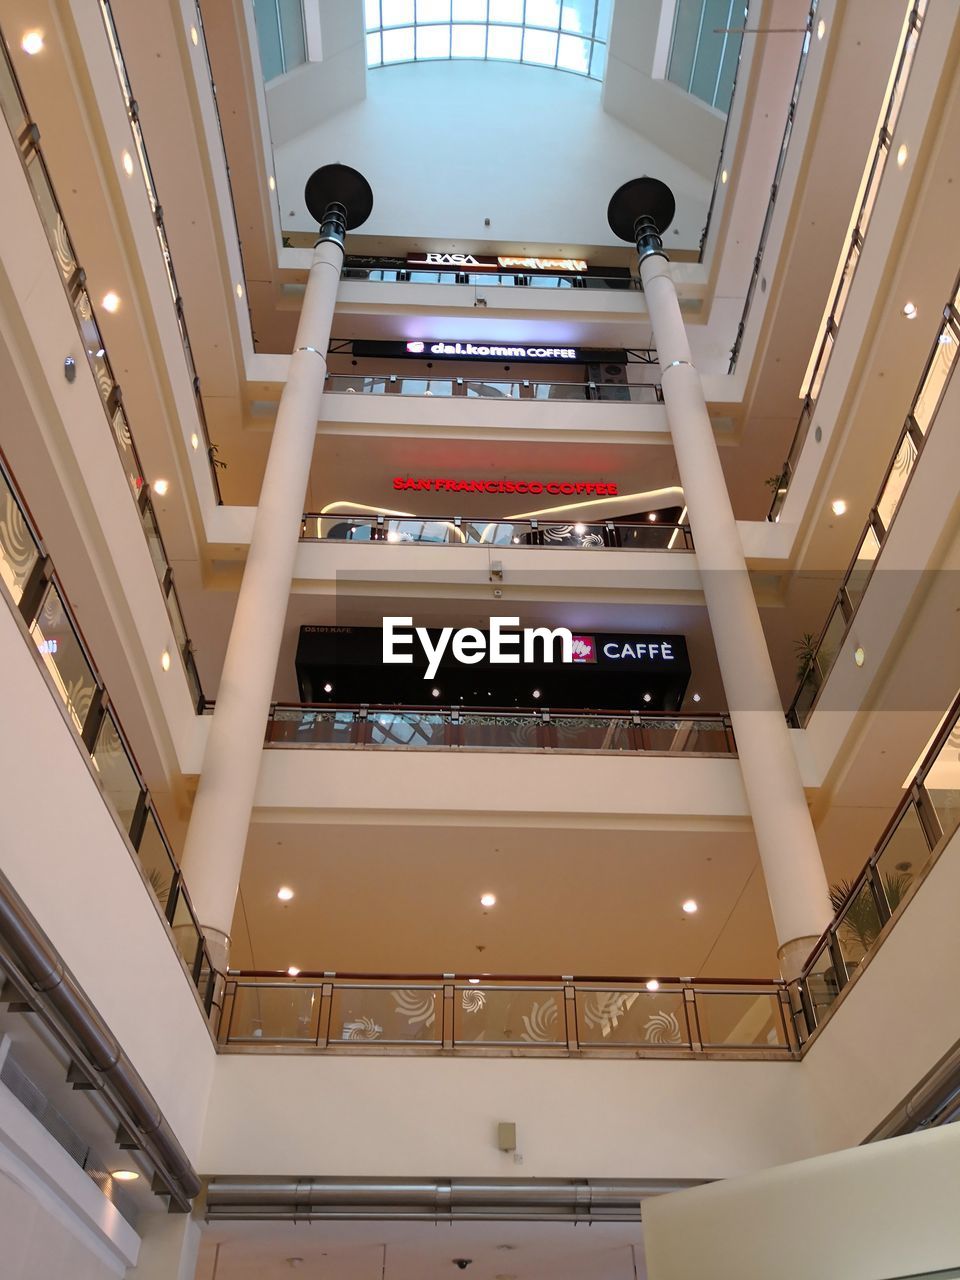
x: 293, y: 971
x: 125, y: 1175
x: 536, y: 693
x: 690, y: 906
x: 328, y: 688
x: 165, y: 660
x: 859, y: 656
x: 488, y: 900
x: 821, y: 28
x: 724, y: 176
x: 272, y: 183
x: 160, y: 487
x: 284, y: 893
x: 239, y: 290
x: 126, y: 159
x: 194, y: 35
x: 32, y: 42
x: 902, y: 155
x: 696, y: 697
x: 910, y: 310
x: 653, y: 985
x: 647, y: 697
x: 838, y: 506
x: 474, y: 982
x: 652, y: 516
x: 195, y: 441
x: 111, y: 301
x: 435, y: 693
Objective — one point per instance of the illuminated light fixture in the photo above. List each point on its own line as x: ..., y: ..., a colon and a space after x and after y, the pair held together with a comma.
x: 160, y: 487
x: 516, y: 541
x: 272, y: 183
x: 195, y: 441
x: 392, y: 535
x: 696, y: 697
x: 910, y: 310
x: 126, y: 160
x: 821, y: 28
x: 859, y: 656
x: 488, y: 900
x: 32, y: 42
x: 165, y: 660
x: 536, y: 693
x: 328, y: 688
x: 945, y: 339
x: 284, y: 893
x: 435, y: 693
x: 292, y: 971
x: 111, y: 302
x: 902, y: 155
x: 474, y: 982
x: 653, y: 985
x: 647, y: 698
x: 724, y: 176
x: 579, y: 528
x: 652, y: 517
x: 125, y: 1175
x: 194, y: 35
x: 690, y: 906
x: 838, y: 506
x: 239, y: 290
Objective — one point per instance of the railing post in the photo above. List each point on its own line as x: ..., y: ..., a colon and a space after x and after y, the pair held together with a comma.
x: 637, y: 732
x: 787, y: 1016
x: 446, y: 1024
x: 693, y: 1018
x: 326, y: 1012
x: 570, y: 1014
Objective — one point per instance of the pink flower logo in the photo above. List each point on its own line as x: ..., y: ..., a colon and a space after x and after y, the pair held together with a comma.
x: 415, y: 348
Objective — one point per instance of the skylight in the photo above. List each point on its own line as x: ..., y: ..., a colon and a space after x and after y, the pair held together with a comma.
x: 568, y: 35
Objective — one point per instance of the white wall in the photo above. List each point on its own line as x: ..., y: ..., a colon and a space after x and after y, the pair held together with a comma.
x: 872, y: 1213
x: 409, y: 1117
x: 530, y: 149
x: 64, y: 855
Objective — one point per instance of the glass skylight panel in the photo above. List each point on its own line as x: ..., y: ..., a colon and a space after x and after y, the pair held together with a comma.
x: 569, y: 35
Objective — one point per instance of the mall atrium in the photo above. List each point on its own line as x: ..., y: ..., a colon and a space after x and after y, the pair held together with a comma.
x: 479, y: 639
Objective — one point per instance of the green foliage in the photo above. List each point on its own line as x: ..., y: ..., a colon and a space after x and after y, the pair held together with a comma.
x: 805, y: 651
x: 861, y: 924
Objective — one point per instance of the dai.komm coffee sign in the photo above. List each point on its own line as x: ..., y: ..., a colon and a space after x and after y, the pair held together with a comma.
x: 506, y: 643
x: 442, y: 349
x: 564, y: 488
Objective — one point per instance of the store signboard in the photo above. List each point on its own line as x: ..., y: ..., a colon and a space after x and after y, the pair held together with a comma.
x: 568, y: 488
x: 483, y: 262
x: 505, y: 352
x: 632, y: 651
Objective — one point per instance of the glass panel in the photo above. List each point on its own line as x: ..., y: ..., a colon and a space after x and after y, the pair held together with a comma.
x: 821, y: 368
x: 50, y: 215
x: 292, y: 34
x: 638, y: 1017
x: 268, y: 38
x: 728, y: 72
x: 858, y: 927
x: 10, y: 103
x: 480, y: 730
x: 433, y: 42
x: 843, y: 292
x: 398, y: 45
x: 862, y: 567
x: 401, y: 1015
x: 290, y: 1013
x: 407, y: 729
x: 686, y: 29
x: 740, y: 1018
x: 591, y: 733
x: 151, y: 532
x: 897, y: 480
x: 903, y: 857
x: 702, y: 736
x: 186, y: 932
x: 487, y: 1015
x: 872, y: 189
x: 63, y: 656
x: 18, y: 551
x: 822, y: 983
x: 936, y: 377
x: 155, y: 860
x: 468, y: 42
x: 806, y: 694
x: 942, y: 783
x: 118, y: 778
x: 831, y: 642
x: 709, y: 51
x: 326, y: 728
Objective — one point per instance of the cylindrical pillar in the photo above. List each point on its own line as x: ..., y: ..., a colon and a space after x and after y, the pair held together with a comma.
x: 789, y: 853
x: 217, y: 834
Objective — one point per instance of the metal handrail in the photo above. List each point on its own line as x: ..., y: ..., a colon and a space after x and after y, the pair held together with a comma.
x: 875, y: 168
x: 401, y: 273
x: 532, y: 532
x: 874, y: 524
x: 459, y: 384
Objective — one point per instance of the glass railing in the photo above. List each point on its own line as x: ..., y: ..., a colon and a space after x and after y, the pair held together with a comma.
x: 906, y: 455
x: 632, y: 1017
x: 27, y: 136
x: 143, y: 162
x: 718, y: 178
x: 775, y: 186
x: 906, y: 52
x: 37, y: 595
x: 926, y: 818
x: 398, y: 384
x: 401, y: 274
x: 459, y: 531
x: 496, y: 729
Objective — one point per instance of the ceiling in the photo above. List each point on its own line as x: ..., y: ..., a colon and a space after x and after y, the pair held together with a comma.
x: 421, y: 1251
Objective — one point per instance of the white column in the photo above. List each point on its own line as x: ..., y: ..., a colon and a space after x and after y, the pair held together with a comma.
x: 170, y: 1247
x: 792, y: 866
x: 217, y: 835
